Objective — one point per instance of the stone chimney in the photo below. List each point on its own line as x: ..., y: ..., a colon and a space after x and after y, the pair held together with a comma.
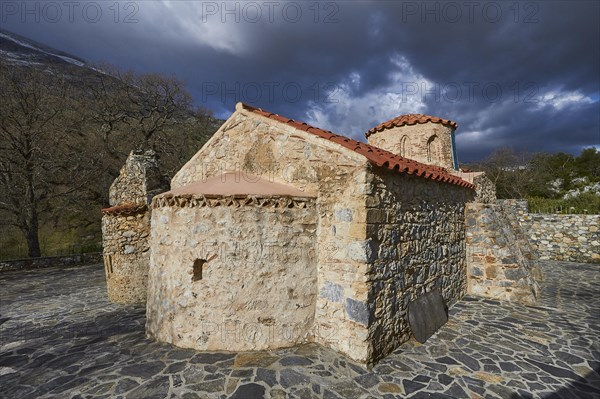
x: 427, y: 139
x: 139, y: 180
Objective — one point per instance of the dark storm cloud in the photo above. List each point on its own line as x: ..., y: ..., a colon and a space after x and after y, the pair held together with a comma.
x: 521, y: 74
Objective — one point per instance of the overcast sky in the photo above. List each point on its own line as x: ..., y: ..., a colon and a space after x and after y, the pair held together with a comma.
x: 521, y: 74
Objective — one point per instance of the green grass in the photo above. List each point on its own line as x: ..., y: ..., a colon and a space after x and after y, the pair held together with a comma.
x: 54, y: 241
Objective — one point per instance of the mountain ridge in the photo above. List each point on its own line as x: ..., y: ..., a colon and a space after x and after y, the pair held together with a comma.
x: 22, y: 51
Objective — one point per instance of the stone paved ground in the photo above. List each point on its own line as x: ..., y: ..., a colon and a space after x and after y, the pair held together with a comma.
x: 60, y: 338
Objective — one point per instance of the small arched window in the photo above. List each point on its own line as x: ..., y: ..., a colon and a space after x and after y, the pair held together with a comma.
x: 432, y: 148
x: 404, y: 146
x: 197, y: 269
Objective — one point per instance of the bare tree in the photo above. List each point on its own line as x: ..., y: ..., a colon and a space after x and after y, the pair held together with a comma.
x: 157, y: 102
x: 144, y: 105
x: 64, y: 137
x: 511, y: 172
x: 34, y: 160
x: 130, y: 110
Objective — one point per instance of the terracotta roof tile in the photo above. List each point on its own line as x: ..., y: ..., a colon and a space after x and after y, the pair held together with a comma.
x: 409, y: 119
x: 375, y: 155
x: 125, y: 209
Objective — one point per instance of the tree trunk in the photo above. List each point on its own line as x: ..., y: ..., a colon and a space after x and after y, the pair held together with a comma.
x: 32, y: 237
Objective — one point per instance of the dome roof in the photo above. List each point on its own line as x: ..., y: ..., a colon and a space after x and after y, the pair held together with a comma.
x: 410, y: 119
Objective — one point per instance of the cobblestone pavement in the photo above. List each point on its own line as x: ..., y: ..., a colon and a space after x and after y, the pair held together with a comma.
x: 61, y: 338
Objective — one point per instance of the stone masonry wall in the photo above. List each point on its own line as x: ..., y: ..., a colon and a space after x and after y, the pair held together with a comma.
x: 126, y: 227
x: 126, y: 255
x: 255, y: 287
x: 501, y: 264
x: 574, y: 238
x: 414, y: 146
x: 50, y: 261
x: 279, y: 152
x: 418, y: 244
x: 484, y: 188
x: 138, y: 181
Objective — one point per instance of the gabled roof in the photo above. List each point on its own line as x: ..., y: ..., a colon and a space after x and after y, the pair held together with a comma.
x: 375, y: 155
x: 410, y: 119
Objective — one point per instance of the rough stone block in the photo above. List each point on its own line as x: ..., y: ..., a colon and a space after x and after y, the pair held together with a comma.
x: 514, y: 274
x: 476, y: 271
x: 376, y: 216
x: 332, y: 291
x: 362, y: 251
x: 357, y: 311
x: 343, y: 215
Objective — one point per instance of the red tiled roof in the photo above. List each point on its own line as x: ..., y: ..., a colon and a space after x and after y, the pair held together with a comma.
x: 409, y: 119
x: 125, y: 209
x: 375, y: 155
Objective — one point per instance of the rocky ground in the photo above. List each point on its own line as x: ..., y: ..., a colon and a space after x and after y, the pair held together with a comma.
x: 61, y: 338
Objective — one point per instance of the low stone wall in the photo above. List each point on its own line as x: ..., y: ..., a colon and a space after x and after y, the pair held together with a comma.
x: 50, y: 261
x: 501, y: 263
x: 573, y: 238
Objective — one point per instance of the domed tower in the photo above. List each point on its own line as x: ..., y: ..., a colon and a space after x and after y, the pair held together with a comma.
x: 424, y: 138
